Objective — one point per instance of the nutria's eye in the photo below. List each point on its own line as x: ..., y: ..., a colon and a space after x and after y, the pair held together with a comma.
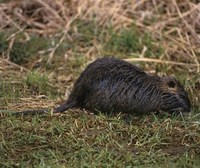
x: 182, y: 96
x: 171, y: 84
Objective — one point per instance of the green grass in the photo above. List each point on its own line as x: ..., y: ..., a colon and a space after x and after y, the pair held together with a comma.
x: 74, y: 139
x: 38, y: 82
x: 23, y: 50
x: 130, y: 41
x: 35, y: 84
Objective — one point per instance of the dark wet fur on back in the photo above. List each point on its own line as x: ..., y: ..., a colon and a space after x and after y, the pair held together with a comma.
x: 113, y: 85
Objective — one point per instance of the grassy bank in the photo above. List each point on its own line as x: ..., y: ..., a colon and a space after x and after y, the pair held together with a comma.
x: 45, y: 45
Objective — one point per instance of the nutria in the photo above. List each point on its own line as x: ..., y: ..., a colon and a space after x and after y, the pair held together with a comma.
x: 113, y: 85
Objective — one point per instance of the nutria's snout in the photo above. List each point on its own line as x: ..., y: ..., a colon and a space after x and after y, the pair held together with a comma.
x: 184, y: 111
x: 174, y: 97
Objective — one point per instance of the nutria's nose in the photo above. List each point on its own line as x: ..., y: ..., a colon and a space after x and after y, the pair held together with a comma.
x: 188, y: 110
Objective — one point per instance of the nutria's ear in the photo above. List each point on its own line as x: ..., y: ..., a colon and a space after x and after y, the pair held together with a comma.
x: 171, y: 84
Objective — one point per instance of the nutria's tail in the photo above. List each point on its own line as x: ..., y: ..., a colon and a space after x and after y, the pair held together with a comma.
x: 61, y: 108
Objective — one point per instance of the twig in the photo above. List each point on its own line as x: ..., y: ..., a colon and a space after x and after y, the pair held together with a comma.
x: 51, y: 10
x: 195, y: 35
x: 61, y: 40
x: 15, y: 65
x: 18, y: 27
x: 160, y: 61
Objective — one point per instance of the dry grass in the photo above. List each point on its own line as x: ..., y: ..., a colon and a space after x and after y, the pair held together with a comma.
x: 176, y: 24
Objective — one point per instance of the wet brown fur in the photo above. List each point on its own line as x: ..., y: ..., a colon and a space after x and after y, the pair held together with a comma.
x: 113, y: 85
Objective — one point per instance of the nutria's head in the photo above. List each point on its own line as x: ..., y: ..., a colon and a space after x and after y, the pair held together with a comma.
x: 173, y: 96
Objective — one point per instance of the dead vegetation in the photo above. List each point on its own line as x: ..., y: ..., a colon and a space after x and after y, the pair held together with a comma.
x: 177, y: 24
